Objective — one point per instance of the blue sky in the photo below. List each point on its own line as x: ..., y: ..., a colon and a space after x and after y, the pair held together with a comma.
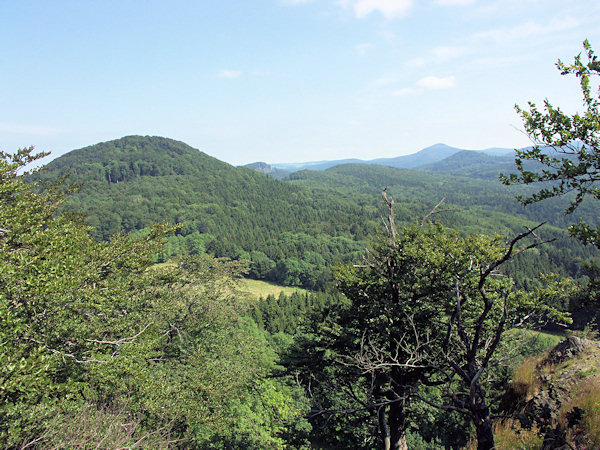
x: 285, y: 80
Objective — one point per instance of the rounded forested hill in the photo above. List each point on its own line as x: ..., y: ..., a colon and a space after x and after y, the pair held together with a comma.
x: 129, y: 183
x: 131, y: 157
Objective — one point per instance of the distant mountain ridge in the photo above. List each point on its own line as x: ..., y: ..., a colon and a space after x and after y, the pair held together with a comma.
x: 469, y: 163
x: 430, y: 155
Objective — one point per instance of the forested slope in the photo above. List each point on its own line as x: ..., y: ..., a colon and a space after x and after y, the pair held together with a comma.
x: 293, y: 230
x: 472, y: 205
x: 130, y: 183
x: 472, y: 164
x: 429, y: 188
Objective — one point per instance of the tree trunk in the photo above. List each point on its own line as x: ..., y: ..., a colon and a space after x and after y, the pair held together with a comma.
x: 383, y: 428
x: 481, y: 418
x: 485, y: 434
x: 398, y: 426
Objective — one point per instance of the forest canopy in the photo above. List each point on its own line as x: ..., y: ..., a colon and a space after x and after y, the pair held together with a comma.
x: 99, y: 346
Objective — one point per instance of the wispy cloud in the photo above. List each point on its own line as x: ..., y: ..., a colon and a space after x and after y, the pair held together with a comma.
x: 432, y: 82
x: 28, y: 128
x: 363, y: 48
x: 446, y: 53
x: 527, y: 29
x: 295, y: 2
x: 228, y: 73
x: 415, y: 63
x: 390, y: 9
x: 385, y: 80
x: 426, y: 83
x: 404, y: 92
x: 438, y: 55
x: 454, y: 2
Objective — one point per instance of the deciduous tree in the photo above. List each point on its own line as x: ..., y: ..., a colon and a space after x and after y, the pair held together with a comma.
x: 566, y: 147
x: 428, y: 307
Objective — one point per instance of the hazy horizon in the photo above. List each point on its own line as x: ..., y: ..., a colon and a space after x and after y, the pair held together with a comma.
x: 285, y: 81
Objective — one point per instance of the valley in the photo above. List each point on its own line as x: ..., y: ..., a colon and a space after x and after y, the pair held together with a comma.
x: 278, y: 279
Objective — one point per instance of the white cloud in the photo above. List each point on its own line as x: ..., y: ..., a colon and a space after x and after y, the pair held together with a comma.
x: 363, y: 48
x: 446, y: 53
x: 527, y: 29
x: 432, y: 82
x: 390, y: 9
x: 404, y: 92
x: 228, y: 73
x: 454, y: 2
x: 436, y: 56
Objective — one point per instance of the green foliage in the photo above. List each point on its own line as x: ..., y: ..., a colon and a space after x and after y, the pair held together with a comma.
x: 567, y: 148
x: 427, y: 307
x: 469, y: 164
x: 90, y: 330
x: 130, y: 183
x: 61, y: 294
x: 239, y: 213
x: 288, y: 313
x: 484, y: 205
x: 471, y: 206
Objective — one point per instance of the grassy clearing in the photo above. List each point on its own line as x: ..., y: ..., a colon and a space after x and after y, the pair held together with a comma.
x: 544, y: 339
x: 260, y: 289
x: 255, y: 289
x: 525, y: 381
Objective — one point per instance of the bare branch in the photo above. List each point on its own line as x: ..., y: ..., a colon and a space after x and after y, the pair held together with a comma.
x: 509, y: 252
x: 435, y: 211
x: 390, y: 204
x: 127, y: 340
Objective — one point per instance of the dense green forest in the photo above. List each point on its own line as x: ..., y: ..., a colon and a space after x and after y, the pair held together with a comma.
x: 122, y: 322
x: 291, y: 234
x: 102, y: 344
x: 434, y: 300
x: 293, y: 231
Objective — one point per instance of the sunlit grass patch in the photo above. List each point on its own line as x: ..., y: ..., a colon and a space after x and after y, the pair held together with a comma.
x: 261, y: 289
x: 526, y: 381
